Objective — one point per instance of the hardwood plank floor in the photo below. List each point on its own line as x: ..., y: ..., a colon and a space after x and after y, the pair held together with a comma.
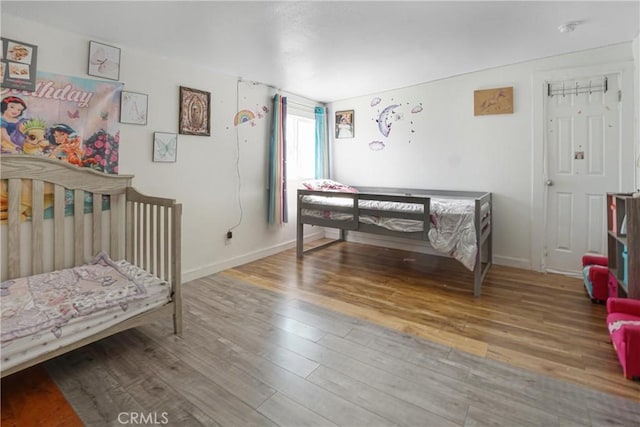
x: 251, y: 356
x: 357, y: 335
x: 541, y: 322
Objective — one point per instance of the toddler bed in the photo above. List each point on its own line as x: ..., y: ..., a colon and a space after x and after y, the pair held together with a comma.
x: 456, y: 223
x: 63, y: 227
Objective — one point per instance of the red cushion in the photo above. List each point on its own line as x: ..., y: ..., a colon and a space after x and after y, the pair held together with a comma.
x: 624, y: 330
x: 594, y: 260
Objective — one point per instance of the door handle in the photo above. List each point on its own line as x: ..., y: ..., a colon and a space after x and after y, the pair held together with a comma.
x: 549, y: 183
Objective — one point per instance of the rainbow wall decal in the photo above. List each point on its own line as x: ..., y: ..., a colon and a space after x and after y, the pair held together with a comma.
x: 243, y: 116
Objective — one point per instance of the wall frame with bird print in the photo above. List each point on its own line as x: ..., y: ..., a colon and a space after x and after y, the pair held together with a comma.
x: 165, y: 147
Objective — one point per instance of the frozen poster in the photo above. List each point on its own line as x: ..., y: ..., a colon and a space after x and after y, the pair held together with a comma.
x: 69, y: 118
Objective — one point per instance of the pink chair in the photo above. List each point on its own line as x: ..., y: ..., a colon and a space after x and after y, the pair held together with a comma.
x: 623, y: 320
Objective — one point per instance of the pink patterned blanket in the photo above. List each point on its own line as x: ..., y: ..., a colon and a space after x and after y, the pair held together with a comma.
x: 47, y: 301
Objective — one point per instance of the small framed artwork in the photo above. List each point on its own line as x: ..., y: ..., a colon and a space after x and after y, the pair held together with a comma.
x: 133, y: 108
x: 195, y: 112
x: 18, y: 62
x: 104, y: 61
x: 344, y: 124
x: 165, y: 147
x: 493, y: 101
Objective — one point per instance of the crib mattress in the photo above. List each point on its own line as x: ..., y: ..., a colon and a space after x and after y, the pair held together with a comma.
x: 20, y: 347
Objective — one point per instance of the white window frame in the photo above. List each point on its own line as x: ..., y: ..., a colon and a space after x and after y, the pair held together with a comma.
x: 296, y: 172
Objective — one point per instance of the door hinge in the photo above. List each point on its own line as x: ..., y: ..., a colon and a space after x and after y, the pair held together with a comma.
x: 619, y: 95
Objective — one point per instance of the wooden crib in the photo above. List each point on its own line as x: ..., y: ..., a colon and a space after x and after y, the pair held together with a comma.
x: 143, y: 231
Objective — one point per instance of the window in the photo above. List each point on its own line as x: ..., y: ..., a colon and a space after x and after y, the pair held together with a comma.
x: 301, y: 157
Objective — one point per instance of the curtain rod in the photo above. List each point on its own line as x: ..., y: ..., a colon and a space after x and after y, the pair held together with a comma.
x: 322, y: 104
x: 304, y: 105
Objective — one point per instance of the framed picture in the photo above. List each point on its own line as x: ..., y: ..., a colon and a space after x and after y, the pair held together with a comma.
x: 344, y: 124
x: 493, y: 101
x: 195, y: 112
x: 165, y: 147
x: 18, y: 62
x: 133, y: 108
x: 104, y: 61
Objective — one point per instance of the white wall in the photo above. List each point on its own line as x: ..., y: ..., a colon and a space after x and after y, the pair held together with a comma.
x: 445, y: 146
x: 204, y: 178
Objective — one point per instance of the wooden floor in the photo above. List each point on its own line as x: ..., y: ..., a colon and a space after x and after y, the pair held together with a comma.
x: 356, y: 335
x: 541, y: 322
x: 250, y: 356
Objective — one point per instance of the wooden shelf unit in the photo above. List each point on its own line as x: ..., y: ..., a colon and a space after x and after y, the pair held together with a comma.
x: 629, y: 207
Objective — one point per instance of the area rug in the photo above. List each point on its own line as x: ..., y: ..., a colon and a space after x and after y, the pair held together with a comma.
x: 31, y: 398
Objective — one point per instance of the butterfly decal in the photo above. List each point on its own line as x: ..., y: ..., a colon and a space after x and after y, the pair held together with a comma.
x: 73, y: 114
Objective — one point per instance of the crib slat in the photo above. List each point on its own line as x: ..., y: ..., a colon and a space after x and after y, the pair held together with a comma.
x: 145, y: 236
x: 138, y: 233
x: 58, y: 227
x: 15, y: 194
x: 116, y: 211
x: 167, y: 214
x: 151, y: 248
x: 129, y: 238
x: 78, y: 220
x: 176, y: 260
x: 97, y: 223
x: 37, y: 227
x: 158, y: 270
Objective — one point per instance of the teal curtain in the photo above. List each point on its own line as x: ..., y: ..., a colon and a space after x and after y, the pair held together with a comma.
x: 322, y: 144
x: 277, y: 210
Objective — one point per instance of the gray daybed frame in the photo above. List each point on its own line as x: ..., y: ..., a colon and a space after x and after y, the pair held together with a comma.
x: 483, y: 223
x: 146, y: 231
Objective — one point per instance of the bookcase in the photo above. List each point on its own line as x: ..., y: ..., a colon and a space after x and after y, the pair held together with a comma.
x: 623, y: 231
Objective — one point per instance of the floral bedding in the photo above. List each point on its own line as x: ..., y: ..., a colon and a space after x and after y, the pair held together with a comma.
x: 45, y: 302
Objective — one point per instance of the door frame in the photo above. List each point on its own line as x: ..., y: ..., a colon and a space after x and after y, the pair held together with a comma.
x: 626, y: 151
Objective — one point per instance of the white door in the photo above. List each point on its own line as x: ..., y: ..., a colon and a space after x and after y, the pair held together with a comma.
x: 582, y: 156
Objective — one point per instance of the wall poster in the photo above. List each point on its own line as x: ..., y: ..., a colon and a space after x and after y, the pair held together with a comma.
x: 72, y: 119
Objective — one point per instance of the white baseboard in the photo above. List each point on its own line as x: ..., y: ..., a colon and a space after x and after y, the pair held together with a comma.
x: 331, y: 233
x: 206, y: 270
x: 508, y: 261
x: 386, y: 241
x: 421, y: 247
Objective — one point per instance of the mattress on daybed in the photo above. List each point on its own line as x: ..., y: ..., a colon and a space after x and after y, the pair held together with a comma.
x: 44, y: 312
x: 453, y: 230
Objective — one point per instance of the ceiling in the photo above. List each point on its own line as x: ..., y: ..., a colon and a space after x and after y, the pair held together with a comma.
x: 330, y: 50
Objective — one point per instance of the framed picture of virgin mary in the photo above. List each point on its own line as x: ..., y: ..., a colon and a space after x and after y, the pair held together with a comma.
x: 195, y: 112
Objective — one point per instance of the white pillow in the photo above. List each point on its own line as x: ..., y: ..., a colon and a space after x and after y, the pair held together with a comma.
x: 327, y: 185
